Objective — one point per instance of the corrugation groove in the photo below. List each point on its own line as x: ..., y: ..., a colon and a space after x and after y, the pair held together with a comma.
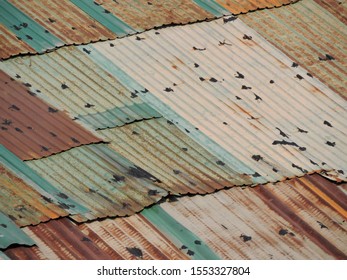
x: 22, y: 203
x: 72, y: 82
x: 32, y: 129
x: 304, y: 41
x: 167, y: 153
x: 291, y: 161
x: 337, y: 8
x: 101, y: 179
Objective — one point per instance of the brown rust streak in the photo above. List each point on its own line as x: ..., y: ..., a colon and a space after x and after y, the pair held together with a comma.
x: 288, y: 214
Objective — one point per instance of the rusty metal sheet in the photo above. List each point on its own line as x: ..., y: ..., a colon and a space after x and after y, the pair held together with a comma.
x: 23, y: 204
x: 302, y: 218
x: 245, y: 6
x: 143, y: 15
x: 93, y: 96
x: 180, y: 163
x: 313, y: 37
x: 65, y: 20
x: 13, y: 44
x: 235, y: 94
x: 336, y: 7
x: 122, y: 238
x: 101, y: 179
x: 32, y: 129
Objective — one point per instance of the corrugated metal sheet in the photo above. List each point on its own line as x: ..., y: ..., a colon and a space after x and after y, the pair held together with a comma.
x: 31, y: 128
x: 65, y: 20
x: 27, y: 29
x: 241, y: 6
x: 49, y: 24
x: 13, y: 44
x: 23, y: 204
x: 229, y: 89
x: 100, y: 179
x: 10, y: 234
x: 301, y: 218
x: 46, y: 190
x: 311, y: 36
x: 123, y: 238
x: 181, y: 164
x: 336, y: 7
x: 93, y: 96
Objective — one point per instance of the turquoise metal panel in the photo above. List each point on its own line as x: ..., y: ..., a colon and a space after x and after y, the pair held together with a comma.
x: 11, y: 234
x: 103, y: 16
x: 27, y: 29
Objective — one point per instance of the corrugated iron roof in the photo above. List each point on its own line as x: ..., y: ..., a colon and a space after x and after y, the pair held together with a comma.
x: 49, y: 24
x: 23, y: 204
x: 92, y: 96
x: 31, y: 128
x: 309, y: 34
x: 10, y: 234
x: 227, y: 88
x: 302, y: 218
x: 179, y: 162
x: 101, y: 179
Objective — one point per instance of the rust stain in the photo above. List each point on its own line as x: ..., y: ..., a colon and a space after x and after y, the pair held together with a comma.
x: 276, y: 204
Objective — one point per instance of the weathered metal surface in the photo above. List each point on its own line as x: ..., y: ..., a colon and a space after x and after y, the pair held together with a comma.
x: 227, y: 88
x: 27, y: 29
x: 92, y: 96
x: 102, y: 180
x: 245, y: 6
x: 23, y: 204
x: 180, y: 163
x: 47, y: 191
x: 311, y: 36
x: 336, y: 7
x: 65, y: 20
x: 301, y: 218
x: 32, y: 129
x: 49, y: 24
x: 122, y: 238
x: 10, y: 234
x: 13, y: 44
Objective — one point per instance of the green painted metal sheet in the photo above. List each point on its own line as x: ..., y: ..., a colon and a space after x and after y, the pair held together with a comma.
x: 50, y: 192
x: 213, y: 7
x: 104, y: 16
x: 27, y: 29
x: 119, y: 116
x: 104, y: 181
x: 179, y: 234
x: 11, y: 234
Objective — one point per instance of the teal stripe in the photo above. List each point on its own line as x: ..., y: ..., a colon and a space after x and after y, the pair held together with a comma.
x: 159, y: 106
x: 119, y: 116
x: 23, y: 26
x: 108, y: 20
x: 22, y: 170
x: 178, y: 234
x: 10, y: 233
x: 3, y: 256
x: 213, y: 7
